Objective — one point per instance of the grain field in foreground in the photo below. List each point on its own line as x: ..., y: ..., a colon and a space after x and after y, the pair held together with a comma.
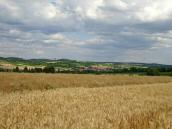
x: 117, y: 106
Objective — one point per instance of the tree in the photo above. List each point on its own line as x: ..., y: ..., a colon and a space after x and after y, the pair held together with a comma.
x: 32, y: 70
x: 153, y: 72
x: 2, y: 70
x: 171, y: 74
x: 38, y: 70
x: 49, y: 70
x: 16, y: 69
x: 25, y: 69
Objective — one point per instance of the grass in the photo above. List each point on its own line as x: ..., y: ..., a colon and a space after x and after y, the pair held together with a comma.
x: 85, y: 102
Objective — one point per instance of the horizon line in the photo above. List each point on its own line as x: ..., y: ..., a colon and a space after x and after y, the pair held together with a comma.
x: 56, y: 59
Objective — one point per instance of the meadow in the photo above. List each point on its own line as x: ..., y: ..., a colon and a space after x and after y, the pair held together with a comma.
x: 72, y: 101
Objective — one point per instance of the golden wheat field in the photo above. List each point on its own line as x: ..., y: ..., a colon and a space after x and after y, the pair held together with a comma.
x: 66, y: 101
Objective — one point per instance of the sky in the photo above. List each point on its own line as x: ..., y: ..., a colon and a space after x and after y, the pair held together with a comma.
x: 92, y: 30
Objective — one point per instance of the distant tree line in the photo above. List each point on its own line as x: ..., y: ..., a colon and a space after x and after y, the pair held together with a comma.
x: 133, y: 70
x: 136, y: 70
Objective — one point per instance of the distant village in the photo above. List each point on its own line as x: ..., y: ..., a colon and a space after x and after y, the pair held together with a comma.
x: 96, y: 68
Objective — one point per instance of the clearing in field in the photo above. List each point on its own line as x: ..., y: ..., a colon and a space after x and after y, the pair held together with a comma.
x: 64, y: 101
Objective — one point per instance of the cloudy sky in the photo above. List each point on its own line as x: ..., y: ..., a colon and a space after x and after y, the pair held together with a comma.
x: 95, y: 30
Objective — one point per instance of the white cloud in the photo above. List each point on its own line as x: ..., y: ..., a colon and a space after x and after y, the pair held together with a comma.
x: 58, y: 37
x: 49, y: 11
x: 119, y: 4
x: 155, y: 10
x: 39, y: 52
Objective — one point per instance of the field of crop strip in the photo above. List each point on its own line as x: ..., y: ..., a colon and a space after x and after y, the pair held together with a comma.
x: 66, y: 101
